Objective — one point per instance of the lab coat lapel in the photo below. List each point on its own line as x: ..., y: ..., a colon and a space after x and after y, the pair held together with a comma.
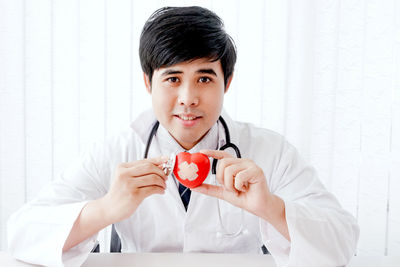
x: 143, y: 123
x: 172, y: 190
x: 168, y: 145
x: 165, y: 144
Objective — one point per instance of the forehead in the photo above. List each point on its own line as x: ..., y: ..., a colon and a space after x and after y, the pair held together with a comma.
x: 192, y: 67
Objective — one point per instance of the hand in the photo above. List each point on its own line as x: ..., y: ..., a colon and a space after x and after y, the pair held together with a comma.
x: 133, y: 182
x: 243, y: 184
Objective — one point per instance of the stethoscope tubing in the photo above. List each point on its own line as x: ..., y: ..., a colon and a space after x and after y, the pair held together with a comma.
x: 228, y: 143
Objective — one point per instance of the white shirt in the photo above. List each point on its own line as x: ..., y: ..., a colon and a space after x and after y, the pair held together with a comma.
x: 322, y: 233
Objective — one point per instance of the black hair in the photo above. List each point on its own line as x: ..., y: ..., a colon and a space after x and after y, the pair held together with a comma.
x: 176, y: 34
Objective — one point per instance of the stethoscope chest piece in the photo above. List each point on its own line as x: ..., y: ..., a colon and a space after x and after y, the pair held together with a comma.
x: 168, y: 166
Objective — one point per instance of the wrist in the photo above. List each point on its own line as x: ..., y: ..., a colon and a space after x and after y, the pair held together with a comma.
x: 104, y: 210
x: 275, y: 214
x: 275, y: 210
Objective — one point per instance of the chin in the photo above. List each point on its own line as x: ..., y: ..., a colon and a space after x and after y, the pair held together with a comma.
x: 189, y: 142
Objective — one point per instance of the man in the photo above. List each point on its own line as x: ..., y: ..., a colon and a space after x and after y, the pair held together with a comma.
x: 269, y: 198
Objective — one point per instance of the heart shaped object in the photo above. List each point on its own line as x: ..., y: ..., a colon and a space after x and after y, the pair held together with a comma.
x: 191, y: 169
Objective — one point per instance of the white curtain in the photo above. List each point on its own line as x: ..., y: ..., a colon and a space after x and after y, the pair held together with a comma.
x: 326, y: 74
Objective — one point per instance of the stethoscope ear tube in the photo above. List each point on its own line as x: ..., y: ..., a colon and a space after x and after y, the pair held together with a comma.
x: 168, y: 166
x: 214, y: 164
x: 152, y: 133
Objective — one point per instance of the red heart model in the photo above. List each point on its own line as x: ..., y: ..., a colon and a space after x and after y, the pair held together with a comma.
x: 191, y: 169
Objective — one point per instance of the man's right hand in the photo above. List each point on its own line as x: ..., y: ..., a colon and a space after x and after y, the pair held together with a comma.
x: 132, y: 183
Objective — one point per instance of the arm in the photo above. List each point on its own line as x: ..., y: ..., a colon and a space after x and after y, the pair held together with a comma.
x: 322, y: 232
x: 37, y: 231
x: 301, y: 223
x: 132, y: 183
x: 60, y: 225
x: 91, y: 220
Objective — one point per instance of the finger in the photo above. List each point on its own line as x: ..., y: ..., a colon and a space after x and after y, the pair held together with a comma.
x: 148, y: 180
x: 210, y: 190
x: 144, y: 169
x: 155, y: 161
x: 221, y: 165
x: 243, y: 178
x: 216, y: 154
x: 151, y: 190
x: 230, y: 172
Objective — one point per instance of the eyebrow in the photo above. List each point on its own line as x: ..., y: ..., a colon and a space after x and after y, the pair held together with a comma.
x: 172, y: 71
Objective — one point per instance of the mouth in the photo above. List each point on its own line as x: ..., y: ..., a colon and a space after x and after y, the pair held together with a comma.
x: 187, y: 119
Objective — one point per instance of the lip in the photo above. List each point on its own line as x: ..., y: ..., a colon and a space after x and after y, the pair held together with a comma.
x: 190, y: 122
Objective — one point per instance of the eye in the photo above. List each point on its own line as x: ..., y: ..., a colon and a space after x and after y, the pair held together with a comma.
x: 173, y: 79
x: 204, y: 80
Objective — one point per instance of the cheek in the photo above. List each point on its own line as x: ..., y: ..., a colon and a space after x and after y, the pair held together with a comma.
x: 215, y: 101
x: 162, y: 101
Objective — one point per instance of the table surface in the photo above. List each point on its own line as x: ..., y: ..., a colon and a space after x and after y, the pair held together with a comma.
x: 196, y: 260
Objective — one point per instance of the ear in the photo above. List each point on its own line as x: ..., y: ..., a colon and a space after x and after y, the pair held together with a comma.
x: 147, y: 82
x: 228, y: 83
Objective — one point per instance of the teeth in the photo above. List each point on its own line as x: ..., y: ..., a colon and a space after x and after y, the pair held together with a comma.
x: 185, y: 118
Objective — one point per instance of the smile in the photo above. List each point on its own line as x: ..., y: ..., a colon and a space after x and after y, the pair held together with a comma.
x: 188, y: 119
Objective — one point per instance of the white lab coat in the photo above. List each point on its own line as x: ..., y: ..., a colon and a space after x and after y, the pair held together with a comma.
x: 322, y: 233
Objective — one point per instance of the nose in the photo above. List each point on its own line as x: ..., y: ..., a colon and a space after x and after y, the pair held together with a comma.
x: 188, y: 96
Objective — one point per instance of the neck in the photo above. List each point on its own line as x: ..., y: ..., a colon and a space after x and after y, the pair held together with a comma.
x: 189, y: 145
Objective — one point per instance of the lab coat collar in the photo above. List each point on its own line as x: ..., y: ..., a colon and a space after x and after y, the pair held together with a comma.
x: 143, y: 123
x: 170, y: 145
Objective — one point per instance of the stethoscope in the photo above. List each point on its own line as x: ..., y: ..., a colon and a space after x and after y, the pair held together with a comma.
x: 228, y: 144
x: 214, y: 164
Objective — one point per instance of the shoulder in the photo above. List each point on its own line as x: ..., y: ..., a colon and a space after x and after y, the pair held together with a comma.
x: 124, y: 146
x: 257, y: 140
x: 249, y: 137
x: 128, y: 144
x: 268, y: 149
x: 249, y: 130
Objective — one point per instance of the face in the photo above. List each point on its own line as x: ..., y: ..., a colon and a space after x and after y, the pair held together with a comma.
x: 187, y: 98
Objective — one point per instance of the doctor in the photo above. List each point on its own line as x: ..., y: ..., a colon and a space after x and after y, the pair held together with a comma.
x: 269, y: 197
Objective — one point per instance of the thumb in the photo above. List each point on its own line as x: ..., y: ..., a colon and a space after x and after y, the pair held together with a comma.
x: 210, y: 190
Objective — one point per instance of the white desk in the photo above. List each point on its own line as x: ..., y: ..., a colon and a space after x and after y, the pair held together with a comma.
x: 161, y: 259
x: 195, y: 260
x: 179, y: 260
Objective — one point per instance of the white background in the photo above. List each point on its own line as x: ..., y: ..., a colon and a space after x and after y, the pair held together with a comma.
x: 326, y: 74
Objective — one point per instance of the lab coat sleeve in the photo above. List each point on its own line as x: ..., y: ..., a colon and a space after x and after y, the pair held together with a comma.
x: 322, y: 233
x: 37, y: 231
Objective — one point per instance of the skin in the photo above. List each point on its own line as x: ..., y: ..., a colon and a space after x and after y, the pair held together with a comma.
x: 195, y: 90
x: 192, y: 89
